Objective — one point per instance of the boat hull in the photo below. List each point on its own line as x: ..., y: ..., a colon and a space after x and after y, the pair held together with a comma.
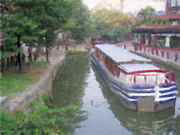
x: 144, y: 103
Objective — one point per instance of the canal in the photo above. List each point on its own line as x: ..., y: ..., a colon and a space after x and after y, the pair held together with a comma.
x: 101, y: 110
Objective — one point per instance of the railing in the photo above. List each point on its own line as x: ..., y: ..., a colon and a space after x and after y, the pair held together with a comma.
x: 163, y: 54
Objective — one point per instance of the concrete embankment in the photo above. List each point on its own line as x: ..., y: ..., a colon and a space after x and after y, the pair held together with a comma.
x: 42, y: 87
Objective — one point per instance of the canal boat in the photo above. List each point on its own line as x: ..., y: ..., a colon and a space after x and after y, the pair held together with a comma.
x: 142, y: 85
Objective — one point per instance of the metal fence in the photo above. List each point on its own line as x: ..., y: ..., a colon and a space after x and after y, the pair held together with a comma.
x: 164, y: 54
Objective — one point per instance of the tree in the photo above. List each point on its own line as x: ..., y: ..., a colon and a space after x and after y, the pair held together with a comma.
x: 145, y: 16
x: 112, y: 24
x: 146, y: 13
x: 79, y: 22
x: 34, y: 22
x: 18, y: 25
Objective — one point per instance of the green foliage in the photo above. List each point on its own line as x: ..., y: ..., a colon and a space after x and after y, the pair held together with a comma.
x: 8, y: 123
x: 146, y: 12
x: 35, y: 21
x: 111, y: 24
x: 78, y: 23
x: 146, y: 16
x: 40, y: 120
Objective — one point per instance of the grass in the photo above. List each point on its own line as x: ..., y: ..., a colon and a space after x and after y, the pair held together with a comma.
x: 41, y: 64
x: 13, y: 82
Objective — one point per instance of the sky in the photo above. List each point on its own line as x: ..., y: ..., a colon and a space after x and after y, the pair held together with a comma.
x: 132, y: 6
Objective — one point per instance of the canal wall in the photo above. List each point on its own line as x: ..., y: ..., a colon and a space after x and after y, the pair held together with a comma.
x: 42, y: 87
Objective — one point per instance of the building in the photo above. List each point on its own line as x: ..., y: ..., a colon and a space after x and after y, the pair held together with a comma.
x: 161, y: 40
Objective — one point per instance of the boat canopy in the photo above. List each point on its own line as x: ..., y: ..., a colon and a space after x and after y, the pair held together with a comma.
x: 138, y: 67
x: 120, y: 55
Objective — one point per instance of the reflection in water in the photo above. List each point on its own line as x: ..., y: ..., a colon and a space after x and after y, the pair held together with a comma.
x: 101, y: 120
x: 68, y: 86
x: 68, y: 89
x: 105, y: 113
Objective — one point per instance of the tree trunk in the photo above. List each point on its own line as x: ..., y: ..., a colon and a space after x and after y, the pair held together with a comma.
x: 2, y: 65
x: 19, y: 55
x: 2, y: 60
x: 47, y: 48
x: 47, y: 54
x: 8, y: 63
x: 30, y: 54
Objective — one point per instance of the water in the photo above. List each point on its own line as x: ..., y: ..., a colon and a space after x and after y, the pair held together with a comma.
x: 107, y: 116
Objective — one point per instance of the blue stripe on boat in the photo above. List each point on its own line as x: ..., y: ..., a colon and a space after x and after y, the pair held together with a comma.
x: 168, y: 86
x: 170, y: 90
x: 170, y: 95
x: 142, y: 87
x: 162, y: 102
x: 120, y: 90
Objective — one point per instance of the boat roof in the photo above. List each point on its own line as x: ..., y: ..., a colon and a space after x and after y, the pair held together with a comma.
x: 138, y: 67
x: 120, y: 55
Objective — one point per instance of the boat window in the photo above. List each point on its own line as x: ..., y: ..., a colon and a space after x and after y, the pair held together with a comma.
x: 148, y: 79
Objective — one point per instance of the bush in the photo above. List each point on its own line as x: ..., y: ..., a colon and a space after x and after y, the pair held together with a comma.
x: 41, y: 120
